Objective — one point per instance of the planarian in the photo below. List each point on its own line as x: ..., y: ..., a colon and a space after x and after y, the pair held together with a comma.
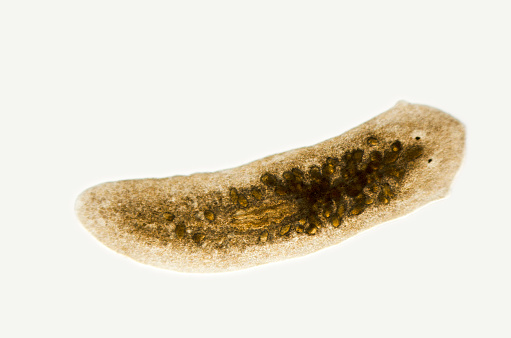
x: 282, y: 206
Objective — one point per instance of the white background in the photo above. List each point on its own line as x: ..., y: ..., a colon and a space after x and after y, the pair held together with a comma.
x: 94, y: 91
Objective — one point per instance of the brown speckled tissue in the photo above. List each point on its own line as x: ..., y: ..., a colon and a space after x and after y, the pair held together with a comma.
x: 285, y: 205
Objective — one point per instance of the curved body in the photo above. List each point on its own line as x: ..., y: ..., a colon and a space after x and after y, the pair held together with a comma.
x: 282, y: 206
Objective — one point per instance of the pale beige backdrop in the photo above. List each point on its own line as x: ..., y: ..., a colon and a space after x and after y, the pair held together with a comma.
x: 94, y: 91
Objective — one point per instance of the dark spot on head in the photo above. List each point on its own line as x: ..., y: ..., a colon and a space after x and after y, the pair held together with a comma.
x: 417, y: 138
x: 429, y: 161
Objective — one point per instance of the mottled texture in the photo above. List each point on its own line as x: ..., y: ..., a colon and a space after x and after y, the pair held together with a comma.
x: 282, y: 206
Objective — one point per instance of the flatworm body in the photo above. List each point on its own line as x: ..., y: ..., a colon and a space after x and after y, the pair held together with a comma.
x: 283, y: 206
